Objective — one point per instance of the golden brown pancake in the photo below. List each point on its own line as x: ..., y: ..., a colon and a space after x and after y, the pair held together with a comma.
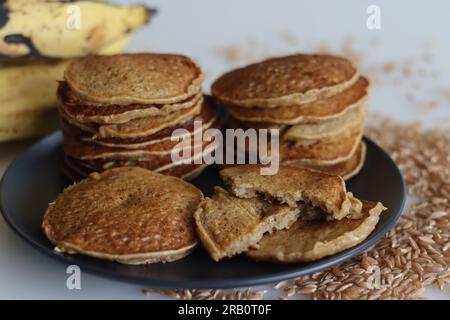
x: 234, y: 123
x: 291, y: 185
x: 323, y: 152
x: 76, y: 170
x: 129, y: 215
x: 316, y: 111
x: 87, y: 151
x: 346, y: 169
x: 134, y: 78
x: 326, y: 129
x: 285, y: 81
x: 312, y: 240
x: 137, y: 127
x: 154, y: 162
x: 86, y: 112
x: 207, y: 116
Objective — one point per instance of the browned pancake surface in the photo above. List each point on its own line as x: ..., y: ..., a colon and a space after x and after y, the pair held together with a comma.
x: 85, y: 111
x: 207, y: 117
x: 134, y: 78
x: 346, y: 169
x: 333, y: 149
x: 280, y: 77
x: 124, y: 211
x: 322, y: 108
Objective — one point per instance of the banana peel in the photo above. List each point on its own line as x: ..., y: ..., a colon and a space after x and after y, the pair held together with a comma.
x: 31, y: 84
x: 28, y: 124
x: 28, y: 95
x: 64, y: 29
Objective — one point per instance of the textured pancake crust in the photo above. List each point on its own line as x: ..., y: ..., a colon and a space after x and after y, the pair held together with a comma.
x: 319, y: 110
x: 291, y: 185
x: 123, y: 212
x: 309, y: 241
x: 134, y: 78
x: 326, y: 129
x: 85, y: 112
x: 285, y: 81
x: 228, y: 225
x: 322, y: 152
x: 346, y: 169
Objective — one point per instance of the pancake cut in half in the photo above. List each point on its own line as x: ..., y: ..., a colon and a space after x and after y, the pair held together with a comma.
x: 308, y: 241
x: 129, y: 215
x: 228, y: 225
x: 285, y: 81
x: 291, y: 185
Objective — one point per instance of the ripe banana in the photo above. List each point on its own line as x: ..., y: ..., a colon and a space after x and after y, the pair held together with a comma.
x: 31, y: 124
x: 64, y: 29
x: 28, y: 94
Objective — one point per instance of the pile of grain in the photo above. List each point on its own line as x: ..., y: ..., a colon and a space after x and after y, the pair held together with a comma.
x: 415, y: 254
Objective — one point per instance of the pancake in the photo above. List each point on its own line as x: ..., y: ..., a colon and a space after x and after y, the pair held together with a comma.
x: 208, y: 117
x: 285, y: 81
x: 346, y: 169
x: 234, y: 123
x: 90, y: 151
x: 87, y: 151
x: 129, y: 215
x: 291, y: 185
x: 320, y: 110
x: 134, y: 78
x: 157, y: 163
x: 312, y: 131
x: 322, y: 152
x: 308, y: 241
x: 137, y: 127
x: 85, y: 111
x: 228, y: 225
x: 76, y: 170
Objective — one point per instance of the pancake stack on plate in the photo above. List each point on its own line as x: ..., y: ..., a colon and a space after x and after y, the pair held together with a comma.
x: 319, y: 103
x: 122, y: 110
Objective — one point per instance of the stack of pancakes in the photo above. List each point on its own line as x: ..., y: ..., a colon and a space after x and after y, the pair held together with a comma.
x: 122, y: 110
x: 319, y: 103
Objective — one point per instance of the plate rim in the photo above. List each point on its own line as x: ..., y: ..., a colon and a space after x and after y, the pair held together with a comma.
x: 205, y: 284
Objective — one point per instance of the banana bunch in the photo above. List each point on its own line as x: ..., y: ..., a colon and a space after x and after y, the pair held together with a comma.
x: 37, y: 40
x: 64, y: 29
x: 28, y: 94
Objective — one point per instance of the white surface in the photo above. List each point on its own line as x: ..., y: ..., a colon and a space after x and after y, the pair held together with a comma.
x: 410, y: 31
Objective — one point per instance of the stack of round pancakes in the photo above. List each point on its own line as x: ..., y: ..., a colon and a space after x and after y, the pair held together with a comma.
x: 319, y: 103
x: 122, y: 111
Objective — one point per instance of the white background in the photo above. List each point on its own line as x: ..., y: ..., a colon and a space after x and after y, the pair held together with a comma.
x: 413, y: 33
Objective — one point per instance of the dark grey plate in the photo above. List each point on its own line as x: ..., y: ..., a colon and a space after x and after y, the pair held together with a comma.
x: 33, y: 180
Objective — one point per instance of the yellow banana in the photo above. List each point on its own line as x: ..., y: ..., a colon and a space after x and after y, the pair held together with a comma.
x: 64, y: 29
x: 28, y: 94
x: 31, y: 85
x: 15, y: 127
